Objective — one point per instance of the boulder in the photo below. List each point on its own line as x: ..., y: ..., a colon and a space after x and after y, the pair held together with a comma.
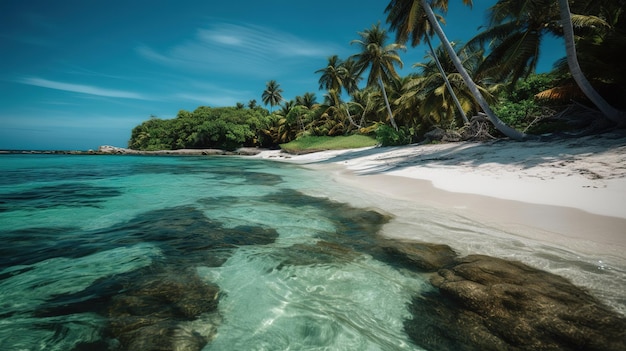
x: 108, y: 149
x: 426, y: 257
x: 488, y: 303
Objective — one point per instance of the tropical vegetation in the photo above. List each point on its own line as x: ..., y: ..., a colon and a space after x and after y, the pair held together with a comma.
x: 485, y: 88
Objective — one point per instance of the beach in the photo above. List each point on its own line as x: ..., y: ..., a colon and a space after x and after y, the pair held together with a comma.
x: 567, y: 192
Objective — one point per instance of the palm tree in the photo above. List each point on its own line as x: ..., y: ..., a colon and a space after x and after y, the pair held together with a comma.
x: 363, y: 102
x: 272, y: 95
x: 331, y: 75
x: 338, y: 75
x: 431, y: 17
x: 404, y: 19
x: 515, y: 32
x: 350, y: 75
x: 380, y: 59
x: 307, y: 100
x: 437, y: 104
x: 572, y: 60
x: 600, y: 41
x: 333, y: 114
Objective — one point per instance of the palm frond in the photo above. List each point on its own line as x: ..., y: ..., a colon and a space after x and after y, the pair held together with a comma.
x: 560, y: 93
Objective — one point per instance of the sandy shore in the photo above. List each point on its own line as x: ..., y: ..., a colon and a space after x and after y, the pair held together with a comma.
x: 573, y: 191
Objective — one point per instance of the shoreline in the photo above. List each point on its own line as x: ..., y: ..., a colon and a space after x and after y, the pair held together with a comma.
x: 571, y: 192
x: 568, y: 227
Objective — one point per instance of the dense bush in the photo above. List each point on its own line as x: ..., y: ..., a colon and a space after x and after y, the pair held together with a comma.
x: 387, y: 136
x: 224, y: 128
x: 519, y: 108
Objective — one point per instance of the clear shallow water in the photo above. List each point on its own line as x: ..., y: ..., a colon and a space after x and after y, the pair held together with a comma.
x: 83, y: 235
x: 294, y: 271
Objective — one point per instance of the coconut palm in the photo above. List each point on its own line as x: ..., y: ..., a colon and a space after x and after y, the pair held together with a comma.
x: 430, y: 88
x: 364, y: 103
x: 572, y: 60
x: 272, y: 95
x: 380, y: 58
x: 432, y: 18
x: 338, y: 75
x: 331, y: 76
x: 515, y: 32
x: 329, y: 116
x: 600, y: 41
x: 405, y: 21
x: 307, y: 100
x: 351, y: 76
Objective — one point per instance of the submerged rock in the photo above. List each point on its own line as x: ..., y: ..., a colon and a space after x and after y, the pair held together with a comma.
x: 322, y: 252
x: 487, y: 303
x: 425, y: 257
x: 154, y: 314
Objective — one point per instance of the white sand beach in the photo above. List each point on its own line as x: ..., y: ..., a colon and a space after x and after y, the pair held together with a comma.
x: 573, y: 191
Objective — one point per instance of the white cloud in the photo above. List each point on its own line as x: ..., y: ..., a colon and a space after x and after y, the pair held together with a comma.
x: 210, y: 94
x: 79, y: 88
x: 239, y: 49
x: 211, y: 100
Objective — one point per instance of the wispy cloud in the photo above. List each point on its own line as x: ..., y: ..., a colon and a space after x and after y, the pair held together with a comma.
x: 80, y: 88
x: 240, y: 49
x: 212, y: 94
x: 211, y: 100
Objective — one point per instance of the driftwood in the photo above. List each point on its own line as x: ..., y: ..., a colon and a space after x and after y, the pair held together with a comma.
x: 477, y: 128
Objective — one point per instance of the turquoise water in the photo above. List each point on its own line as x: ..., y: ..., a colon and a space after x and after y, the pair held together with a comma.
x: 223, y: 253
x: 84, y: 234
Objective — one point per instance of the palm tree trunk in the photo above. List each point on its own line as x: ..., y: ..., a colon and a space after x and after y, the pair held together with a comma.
x: 382, y: 87
x: 352, y: 122
x: 497, y: 122
x: 447, y: 81
x: 572, y: 61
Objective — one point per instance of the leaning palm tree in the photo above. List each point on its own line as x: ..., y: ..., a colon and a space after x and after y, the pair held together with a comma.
x: 431, y: 17
x: 364, y: 103
x: 380, y: 59
x: 572, y: 60
x: 272, y: 95
x: 437, y: 104
x: 515, y: 32
x: 404, y: 20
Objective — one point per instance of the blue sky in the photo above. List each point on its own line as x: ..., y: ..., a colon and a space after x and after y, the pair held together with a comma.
x: 77, y: 74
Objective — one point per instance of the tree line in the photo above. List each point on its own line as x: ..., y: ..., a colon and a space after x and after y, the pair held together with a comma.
x: 484, y: 88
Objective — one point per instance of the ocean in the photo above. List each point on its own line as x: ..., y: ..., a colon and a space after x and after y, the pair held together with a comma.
x: 107, y: 252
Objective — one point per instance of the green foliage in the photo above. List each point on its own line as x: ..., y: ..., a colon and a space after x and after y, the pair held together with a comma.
x: 317, y: 143
x: 518, y: 114
x: 527, y: 88
x: 224, y: 128
x: 518, y: 107
x: 388, y: 136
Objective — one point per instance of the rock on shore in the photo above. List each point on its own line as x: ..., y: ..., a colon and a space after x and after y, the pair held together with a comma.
x: 114, y: 150
x: 488, y: 303
x: 108, y: 149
